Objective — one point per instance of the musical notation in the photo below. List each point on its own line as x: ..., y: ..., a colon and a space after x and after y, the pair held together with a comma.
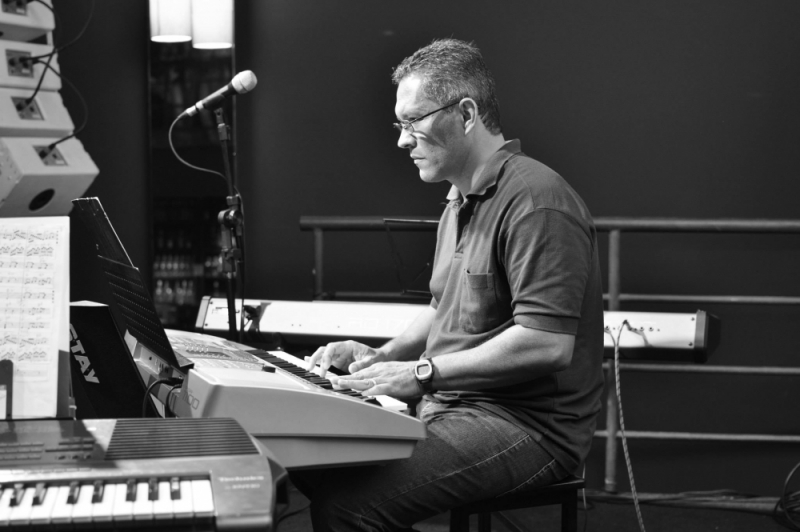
x: 33, y: 293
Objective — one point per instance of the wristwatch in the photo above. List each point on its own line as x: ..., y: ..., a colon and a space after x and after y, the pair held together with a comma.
x: 423, y: 371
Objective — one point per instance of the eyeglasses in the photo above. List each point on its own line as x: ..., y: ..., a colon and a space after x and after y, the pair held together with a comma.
x: 408, y: 125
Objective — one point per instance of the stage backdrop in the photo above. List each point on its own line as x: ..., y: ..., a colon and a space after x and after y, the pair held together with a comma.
x: 677, y: 109
x: 674, y: 109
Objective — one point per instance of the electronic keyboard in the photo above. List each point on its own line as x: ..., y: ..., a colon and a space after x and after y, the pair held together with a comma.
x: 303, y: 420
x: 672, y: 334
x: 167, y: 474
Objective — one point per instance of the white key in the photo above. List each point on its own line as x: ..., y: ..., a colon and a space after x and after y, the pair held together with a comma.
x: 183, y: 508
x: 123, y: 509
x: 203, y: 498
x: 103, y: 511
x: 40, y: 515
x: 62, y: 511
x: 82, y: 510
x: 21, y: 513
x: 162, y: 507
x: 5, y: 505
x: 142, y: 506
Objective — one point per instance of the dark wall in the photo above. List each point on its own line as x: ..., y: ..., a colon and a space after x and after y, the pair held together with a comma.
x: 672, y: 109
x: 677, y: 109
x: 108, y: 64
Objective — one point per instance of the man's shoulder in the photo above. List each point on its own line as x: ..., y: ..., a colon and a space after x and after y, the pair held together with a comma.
x: 538, y: 186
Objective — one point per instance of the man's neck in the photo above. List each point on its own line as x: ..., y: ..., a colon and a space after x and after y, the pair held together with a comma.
x: 480, y: 155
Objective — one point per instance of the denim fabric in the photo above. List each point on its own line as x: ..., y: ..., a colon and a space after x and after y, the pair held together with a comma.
x: 466, y: 457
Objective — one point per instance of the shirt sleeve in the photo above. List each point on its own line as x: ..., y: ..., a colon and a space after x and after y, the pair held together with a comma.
x: 548, y: 257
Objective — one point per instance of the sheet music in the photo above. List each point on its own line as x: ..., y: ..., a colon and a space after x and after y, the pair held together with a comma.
x: 34, y: 307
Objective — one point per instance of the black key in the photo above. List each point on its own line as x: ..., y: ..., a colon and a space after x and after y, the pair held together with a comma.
x: 74, y: 490
x: 130, y: 490
x: 152, y: 489
x: 99, y: 490
x: 175, y: 488
x: 16, y: 496
x: 39, y: 493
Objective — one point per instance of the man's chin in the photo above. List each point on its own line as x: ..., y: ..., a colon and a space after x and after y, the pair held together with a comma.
x: 429, y: 177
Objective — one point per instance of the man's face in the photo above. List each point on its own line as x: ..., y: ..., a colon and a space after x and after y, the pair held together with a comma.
x: 437, y: 144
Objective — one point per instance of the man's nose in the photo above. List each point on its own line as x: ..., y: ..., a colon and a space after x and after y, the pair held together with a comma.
x: 406, y: 140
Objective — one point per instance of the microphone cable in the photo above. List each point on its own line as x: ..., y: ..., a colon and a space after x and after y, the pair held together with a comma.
x: 241, y: 207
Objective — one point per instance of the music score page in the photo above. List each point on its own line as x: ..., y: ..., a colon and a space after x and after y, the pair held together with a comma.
x: 34, y: 308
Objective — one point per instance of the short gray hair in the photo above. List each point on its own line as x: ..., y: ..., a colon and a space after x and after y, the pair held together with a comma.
x: 450, y: 70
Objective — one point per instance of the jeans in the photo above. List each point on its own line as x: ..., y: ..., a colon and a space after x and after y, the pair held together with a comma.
x: 468, y: 456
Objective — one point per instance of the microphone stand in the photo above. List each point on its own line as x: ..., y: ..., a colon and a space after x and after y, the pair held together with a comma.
x: 230, y: 221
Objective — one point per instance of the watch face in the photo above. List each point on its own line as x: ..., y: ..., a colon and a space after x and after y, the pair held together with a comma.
x: 423, y: 370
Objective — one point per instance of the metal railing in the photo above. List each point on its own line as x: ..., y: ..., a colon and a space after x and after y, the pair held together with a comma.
x: 614, y: 227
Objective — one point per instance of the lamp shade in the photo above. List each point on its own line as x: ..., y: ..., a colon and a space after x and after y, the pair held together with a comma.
x: 171, y: 20
x: 212, y: 24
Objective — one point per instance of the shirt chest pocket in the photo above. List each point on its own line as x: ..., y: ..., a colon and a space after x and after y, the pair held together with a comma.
x: 479, y: 306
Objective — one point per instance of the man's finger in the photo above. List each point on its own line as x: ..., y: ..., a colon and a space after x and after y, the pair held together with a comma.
x: 313, y: 360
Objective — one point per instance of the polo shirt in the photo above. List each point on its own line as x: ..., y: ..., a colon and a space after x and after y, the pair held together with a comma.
x: 521, y: 248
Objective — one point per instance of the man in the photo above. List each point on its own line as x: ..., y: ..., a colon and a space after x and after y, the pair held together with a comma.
x: 508, y: 354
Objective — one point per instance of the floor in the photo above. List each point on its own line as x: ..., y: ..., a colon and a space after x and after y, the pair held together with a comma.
x: 600, y: 517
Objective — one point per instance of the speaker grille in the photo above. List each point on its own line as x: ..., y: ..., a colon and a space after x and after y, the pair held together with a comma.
x: 134, y: 439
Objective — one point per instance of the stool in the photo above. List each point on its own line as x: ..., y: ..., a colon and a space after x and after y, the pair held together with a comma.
x: 564, y: 492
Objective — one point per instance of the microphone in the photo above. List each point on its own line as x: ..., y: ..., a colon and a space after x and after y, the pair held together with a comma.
x: 241, y: 83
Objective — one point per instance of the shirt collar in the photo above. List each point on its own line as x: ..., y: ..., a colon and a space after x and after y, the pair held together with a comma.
x: 491, y: 171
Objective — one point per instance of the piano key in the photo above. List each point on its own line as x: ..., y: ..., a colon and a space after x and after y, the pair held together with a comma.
x: 123, y: 508
x: 202, y: 498
x: 39, y: 492
x: 183, y: 506
x: 74, y: 488
x: 162, y: 506
x: 82, y: 510
x: 174, y: 488
x: 17, y: 493
x: 97, y: 492
x: 142, y: 506
x: 41, y: 513
x: 103, y: 507
x: 61, y: 513
x: 21, y: 512
x: 152, y: 489
x: 5, y: 505
x: 130, y: 491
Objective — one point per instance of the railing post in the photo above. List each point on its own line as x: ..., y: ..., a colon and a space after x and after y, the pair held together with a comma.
x: 612, y: 421
x: 317, y: 272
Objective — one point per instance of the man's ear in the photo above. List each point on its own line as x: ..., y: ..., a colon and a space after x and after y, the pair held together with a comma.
x: 469, y: 113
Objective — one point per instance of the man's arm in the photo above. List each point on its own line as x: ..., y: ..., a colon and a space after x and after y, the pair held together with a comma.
x: 516, y: 355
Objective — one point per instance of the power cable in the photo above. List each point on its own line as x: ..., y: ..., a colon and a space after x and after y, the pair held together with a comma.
x: 623, y: 325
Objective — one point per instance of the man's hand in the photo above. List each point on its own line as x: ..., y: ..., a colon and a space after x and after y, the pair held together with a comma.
x: 395, y: 379
x: 349, y: 355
